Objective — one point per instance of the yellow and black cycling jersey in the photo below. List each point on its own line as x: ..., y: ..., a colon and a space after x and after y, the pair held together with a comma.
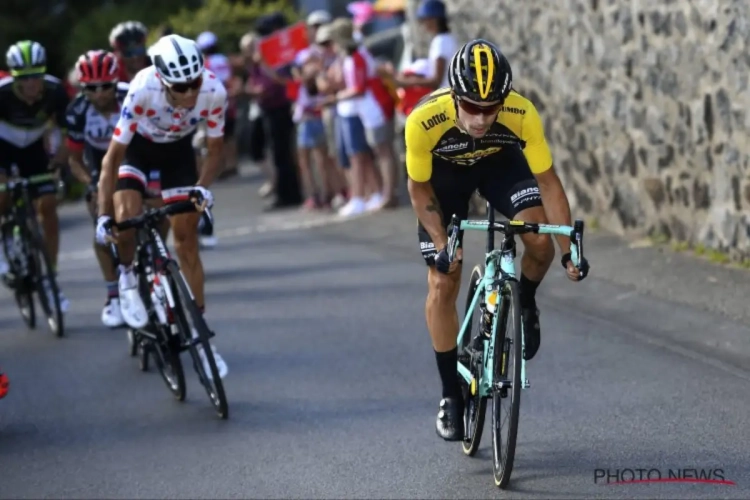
x: 432, y: 135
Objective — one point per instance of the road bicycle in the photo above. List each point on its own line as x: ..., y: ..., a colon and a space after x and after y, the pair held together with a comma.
x: 490, y: 361
x: 31, y: 270
x: 175, y: 323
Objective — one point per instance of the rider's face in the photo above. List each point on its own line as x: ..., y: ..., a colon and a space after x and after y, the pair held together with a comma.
x: 133, y: 58
x: 476, y: 118
x: 101, y: 95
x: 30, y: 86
x: 185, y: 95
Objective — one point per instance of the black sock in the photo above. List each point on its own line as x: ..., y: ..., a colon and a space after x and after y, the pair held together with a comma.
x: 447, y: 363
x: 528, y: 292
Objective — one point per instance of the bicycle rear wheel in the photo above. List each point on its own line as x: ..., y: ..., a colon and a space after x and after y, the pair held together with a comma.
x: 475, y: 406
x: 506, y: 391
x: 45, y: 282
x: 190, y: 319
x: 25, y: 303
x: 167, y: 357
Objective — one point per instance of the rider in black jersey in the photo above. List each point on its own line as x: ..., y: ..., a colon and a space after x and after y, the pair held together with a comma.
x: 91, y: 118
x: 31, y: 101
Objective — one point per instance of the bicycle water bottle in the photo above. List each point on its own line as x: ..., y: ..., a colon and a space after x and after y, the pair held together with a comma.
x: 490, y: 306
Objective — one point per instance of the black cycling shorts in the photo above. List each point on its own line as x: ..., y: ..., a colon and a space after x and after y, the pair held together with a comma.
x: 504, y: 180
x: 31, y: 160
x: 171, y: 163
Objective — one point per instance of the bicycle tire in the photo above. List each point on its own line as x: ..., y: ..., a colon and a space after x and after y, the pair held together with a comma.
x: 167, y: 357
x: 475, y: 406
x: 507, y: 347
x: 187, y: 314
x: 39, y: 255
x: 26, y: 299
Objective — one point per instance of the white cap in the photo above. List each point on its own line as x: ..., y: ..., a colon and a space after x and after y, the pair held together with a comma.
x: 324, y: 34
x: 318, y: 17
x: 206, y: 40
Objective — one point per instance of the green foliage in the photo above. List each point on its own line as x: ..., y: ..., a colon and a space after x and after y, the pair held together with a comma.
x: 227, y: 19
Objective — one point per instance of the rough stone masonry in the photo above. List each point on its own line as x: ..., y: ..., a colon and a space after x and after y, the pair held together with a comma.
x: 645, y: 104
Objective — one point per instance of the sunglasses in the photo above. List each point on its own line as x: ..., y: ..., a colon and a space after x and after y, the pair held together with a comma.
x: 476, y: 109
x: 181, y: 88
x: 136, y: 51
x: 93, y: 87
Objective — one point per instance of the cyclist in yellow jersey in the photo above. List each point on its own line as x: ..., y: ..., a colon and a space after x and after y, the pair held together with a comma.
x: 479, y: 134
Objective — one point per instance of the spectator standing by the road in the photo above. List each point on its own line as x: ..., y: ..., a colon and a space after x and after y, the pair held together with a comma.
x: 355, y: 106
x: 269, y: 91
x: 366, y: 98
x: 328, y: 82
x: 433, y: 18
x: 256, y: 135
x: 311, y: 132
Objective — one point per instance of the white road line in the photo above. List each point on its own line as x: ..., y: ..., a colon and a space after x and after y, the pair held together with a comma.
x: 263, y: 226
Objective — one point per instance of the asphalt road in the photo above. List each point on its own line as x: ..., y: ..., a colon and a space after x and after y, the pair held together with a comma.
x: 333, y: 387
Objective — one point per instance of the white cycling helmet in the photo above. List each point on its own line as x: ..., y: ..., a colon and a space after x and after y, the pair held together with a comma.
x: 177, y: 59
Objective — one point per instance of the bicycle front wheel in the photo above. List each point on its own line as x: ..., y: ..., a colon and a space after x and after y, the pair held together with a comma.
x: 192, y: 324
x: 506, y: 390
x: 45, y: 282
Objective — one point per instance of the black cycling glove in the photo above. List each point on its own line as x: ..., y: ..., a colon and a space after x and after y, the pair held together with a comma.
x: 583, y: 267
x: 442, y: 261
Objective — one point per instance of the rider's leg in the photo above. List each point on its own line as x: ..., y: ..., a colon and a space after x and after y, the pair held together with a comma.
x: 513, y: 191
x: 453, y: 186
x: 33, y: 160
x: 176, y: 184
x: 111, y: 315
x: 46, y: 209
x: 128, y: 202
x: 4, y: 266
x: 153, y: 200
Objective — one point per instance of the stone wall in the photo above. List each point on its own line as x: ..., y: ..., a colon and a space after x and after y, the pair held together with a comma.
x: 645, y: 104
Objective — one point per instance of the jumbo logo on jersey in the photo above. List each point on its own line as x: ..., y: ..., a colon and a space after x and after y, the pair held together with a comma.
x: 471, y: 157
x: 434, y: 121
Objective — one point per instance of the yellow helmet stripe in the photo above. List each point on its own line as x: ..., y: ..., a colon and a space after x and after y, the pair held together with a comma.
x: 484, y: 85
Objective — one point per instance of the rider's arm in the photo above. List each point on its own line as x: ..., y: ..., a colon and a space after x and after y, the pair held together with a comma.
x: 121, y: 137
x: 75, y: 140
x: 419, y: 167
x: 214, y: 137
x: 61, y: 110
x: 538, y: 154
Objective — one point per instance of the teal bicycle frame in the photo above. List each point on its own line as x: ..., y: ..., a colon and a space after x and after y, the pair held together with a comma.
x: 503, y: 260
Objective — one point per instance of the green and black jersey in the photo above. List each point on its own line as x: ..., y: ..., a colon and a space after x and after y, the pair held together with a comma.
x: 22, y: 124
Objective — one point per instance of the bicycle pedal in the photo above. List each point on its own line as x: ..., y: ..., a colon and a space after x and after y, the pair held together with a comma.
x: 526, y: 384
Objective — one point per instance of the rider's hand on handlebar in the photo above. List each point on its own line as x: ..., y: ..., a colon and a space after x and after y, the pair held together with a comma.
x: 575, y: 273
x: 103, y: 228
x: 207, y: 198
x: 442, y: 261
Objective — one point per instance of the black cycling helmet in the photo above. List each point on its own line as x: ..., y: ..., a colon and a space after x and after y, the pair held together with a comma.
x: 480, y: 72
x: 128, y: 34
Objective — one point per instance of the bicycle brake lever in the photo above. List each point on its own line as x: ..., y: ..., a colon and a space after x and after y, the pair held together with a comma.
x: 199, y: 206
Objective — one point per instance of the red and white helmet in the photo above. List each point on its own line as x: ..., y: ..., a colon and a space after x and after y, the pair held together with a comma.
x: 97, y: 66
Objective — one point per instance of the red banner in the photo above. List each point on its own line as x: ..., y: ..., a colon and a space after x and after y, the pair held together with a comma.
x: 280, y: 48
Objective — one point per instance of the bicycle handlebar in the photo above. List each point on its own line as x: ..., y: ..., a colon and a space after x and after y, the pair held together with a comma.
x: 513, y: 227
x: 10, y: 184
x: 195, y: 202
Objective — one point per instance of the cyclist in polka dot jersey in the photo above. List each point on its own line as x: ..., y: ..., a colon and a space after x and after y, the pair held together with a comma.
x: 160, y: 114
